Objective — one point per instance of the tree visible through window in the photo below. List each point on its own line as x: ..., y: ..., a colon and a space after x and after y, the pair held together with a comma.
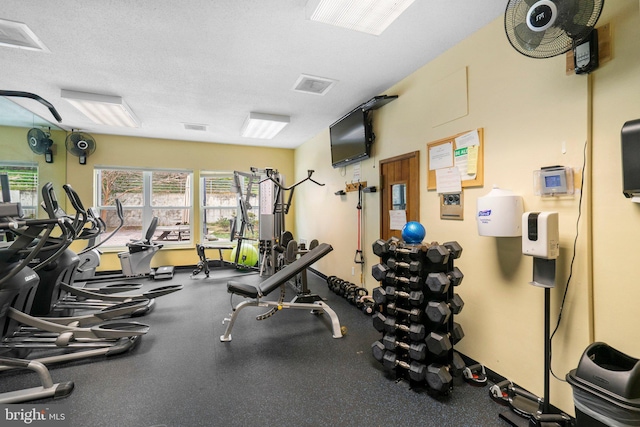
x: 220, y: 206
x: 145, y: 194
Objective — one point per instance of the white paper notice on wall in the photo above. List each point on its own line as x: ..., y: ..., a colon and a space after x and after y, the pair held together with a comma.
x: 356, y: 172
x: 448, y: 180
x: 397, y: 219
x: 441, y: 156
x: 465, y: 156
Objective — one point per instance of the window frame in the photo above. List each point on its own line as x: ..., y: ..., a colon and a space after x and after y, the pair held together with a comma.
x: 5, y: 165
x: 255, y: 207
x: 148, y: 206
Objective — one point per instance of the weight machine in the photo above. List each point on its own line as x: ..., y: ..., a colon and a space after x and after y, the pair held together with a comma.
x: 273, y: 208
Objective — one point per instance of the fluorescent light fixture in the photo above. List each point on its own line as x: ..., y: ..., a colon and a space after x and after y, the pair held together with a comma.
x: 263, y: 126
x: 102, y: 109
x: 367, y: 16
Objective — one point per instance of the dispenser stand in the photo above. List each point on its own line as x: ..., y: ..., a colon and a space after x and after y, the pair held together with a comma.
x: 544, y: 275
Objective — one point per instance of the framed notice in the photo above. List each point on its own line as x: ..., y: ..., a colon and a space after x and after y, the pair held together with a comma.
x: 462, y: 153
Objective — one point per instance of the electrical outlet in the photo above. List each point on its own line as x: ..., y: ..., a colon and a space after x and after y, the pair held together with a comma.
x: 353, y: 271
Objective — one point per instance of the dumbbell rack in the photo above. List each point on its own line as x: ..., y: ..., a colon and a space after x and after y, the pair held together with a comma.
x: 417, y: 305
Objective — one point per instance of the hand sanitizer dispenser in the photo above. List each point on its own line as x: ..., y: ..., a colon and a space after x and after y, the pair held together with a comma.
x: 540, y: 234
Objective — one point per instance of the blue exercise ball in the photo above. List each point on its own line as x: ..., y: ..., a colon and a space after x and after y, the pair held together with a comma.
x: 413, y: 232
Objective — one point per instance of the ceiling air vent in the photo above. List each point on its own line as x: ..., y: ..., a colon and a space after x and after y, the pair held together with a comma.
x: 19, y: 35
x: 313, y: 85
x: 195, y: 126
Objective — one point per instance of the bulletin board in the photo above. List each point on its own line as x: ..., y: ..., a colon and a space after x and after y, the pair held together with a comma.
x: 475, y: 180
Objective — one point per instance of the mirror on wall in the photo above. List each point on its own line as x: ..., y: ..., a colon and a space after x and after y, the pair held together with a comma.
x: 24, y: 153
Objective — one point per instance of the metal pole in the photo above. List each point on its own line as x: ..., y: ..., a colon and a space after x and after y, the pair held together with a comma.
x: 547, y: 348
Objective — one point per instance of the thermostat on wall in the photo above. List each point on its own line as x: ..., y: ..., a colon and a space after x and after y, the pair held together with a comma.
x: 553, y: 181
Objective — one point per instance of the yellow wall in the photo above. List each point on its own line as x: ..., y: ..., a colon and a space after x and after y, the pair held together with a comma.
x: 118, y: 151
x: 529, y: 110
x: 616, y: 90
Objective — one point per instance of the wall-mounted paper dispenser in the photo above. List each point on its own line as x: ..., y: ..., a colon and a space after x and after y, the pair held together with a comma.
x: 630, y: 139
x: 499, y: 214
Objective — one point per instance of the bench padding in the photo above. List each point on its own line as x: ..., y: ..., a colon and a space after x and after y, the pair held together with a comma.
x: 281, y: 276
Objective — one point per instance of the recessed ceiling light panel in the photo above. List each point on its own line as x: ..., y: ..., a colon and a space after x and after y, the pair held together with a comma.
x: 263, y: 126
x: 367, y: 16
x: 102, y: 109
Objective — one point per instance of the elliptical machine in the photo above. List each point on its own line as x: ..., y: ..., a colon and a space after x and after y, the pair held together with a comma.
x: 90, y: 256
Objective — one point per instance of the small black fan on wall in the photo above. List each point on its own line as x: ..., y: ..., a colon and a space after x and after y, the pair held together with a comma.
x: 40, y: 143
x: 81, y: 145
x: 547, y: 28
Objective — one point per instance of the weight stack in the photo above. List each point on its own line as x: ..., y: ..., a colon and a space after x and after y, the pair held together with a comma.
x: 417, y: 305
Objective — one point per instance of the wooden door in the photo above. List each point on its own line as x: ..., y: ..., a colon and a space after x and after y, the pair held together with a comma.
x: 400, y: 188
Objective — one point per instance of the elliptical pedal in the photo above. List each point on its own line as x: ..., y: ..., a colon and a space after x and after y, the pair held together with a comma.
x: 163, y: 273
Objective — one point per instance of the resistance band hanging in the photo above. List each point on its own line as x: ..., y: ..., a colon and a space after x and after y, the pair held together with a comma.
x: 358, y: 259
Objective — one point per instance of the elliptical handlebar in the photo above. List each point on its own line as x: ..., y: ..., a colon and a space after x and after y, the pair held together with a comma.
x: 103, y: 226
x: 80, y: 218
x: 46, y: 225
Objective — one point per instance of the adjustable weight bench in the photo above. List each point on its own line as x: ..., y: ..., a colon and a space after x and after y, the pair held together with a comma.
x: 279, y: 280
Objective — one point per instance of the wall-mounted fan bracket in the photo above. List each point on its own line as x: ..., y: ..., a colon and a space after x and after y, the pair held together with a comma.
x: 604, y: 49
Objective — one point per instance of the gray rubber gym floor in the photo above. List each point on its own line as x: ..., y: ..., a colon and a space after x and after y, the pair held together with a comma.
x: 285, y: 370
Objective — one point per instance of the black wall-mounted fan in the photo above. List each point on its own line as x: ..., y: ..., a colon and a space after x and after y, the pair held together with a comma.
x: 40, y: 143
x: 546, y: 28
x: 81, y: 145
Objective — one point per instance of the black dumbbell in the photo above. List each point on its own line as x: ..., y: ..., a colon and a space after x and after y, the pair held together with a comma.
x: 438, y: 254
x: 417, y: 350
x: 381, y: 248
x: 379, y: 272
x: 383, y: 295
x: 455, y: 276
x: 455, y: 250
x: 439, y: 344
x: 394, y: 247
x: 415, y: 314
x: 440, y: 377
x: 415, y: 298
x: 413, y: 266
x: 382, y: 323
x: 438, y: 283
x: 440, y: 311
x: 414, y: 282
x: 416, y: 370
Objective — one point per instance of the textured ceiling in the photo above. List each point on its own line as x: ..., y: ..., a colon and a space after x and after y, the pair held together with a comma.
x: 212, y: 62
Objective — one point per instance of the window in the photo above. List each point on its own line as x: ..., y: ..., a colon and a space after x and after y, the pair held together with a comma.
x: 221, y: 208
x: 23, y: 183
x: 145, y: 194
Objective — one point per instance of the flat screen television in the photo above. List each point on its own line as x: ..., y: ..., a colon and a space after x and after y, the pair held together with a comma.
x: 351, y: 138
